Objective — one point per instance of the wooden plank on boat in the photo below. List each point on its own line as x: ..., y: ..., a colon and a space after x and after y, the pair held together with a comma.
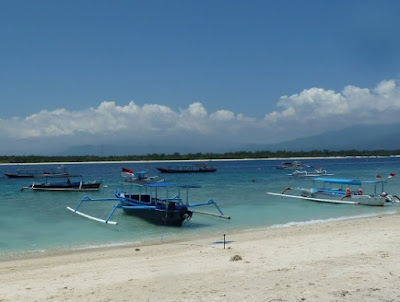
x: 92, y: 217
x: 314, y: 199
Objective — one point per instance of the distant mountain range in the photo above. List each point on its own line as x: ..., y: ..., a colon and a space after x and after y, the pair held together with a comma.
x: 359, y: 137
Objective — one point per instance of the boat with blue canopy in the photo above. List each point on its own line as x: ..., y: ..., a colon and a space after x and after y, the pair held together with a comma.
x: 145, y: 201
x: 345, y: 191
x: 140, y: 176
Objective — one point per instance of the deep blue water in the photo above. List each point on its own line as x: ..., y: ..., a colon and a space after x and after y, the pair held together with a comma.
x: 32, y: 221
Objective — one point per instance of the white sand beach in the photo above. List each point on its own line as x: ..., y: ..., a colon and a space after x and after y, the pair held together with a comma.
x: 353, y: 260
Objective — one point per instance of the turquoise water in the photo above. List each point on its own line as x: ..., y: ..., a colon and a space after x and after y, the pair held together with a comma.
x: 33, y: 222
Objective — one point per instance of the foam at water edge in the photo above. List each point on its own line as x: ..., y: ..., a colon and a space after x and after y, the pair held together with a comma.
x: 315, y: 221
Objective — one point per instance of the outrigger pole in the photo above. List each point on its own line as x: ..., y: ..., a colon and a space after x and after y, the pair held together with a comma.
x: 107, y: 220
x: 92, y: 217
x: 210, y: 201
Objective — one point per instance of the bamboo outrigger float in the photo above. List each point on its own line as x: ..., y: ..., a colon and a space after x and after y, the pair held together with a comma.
x: 169, y: 211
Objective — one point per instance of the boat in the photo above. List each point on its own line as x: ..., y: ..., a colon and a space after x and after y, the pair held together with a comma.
x: 59, y: 172
x: 144, y: 201
x: 292, y: 165
x: 188, y: 168
x: 77, y: 184
x: 315, y: 173
x: 346, y: 191
x: 139, y: 177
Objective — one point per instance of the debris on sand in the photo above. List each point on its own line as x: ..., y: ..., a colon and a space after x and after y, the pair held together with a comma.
x: 236, y: 258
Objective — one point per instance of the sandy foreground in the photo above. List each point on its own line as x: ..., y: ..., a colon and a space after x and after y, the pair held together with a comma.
x: 353, y: 260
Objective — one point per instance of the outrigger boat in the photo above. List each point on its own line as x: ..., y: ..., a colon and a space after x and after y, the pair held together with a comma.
x: 146, y: 204
x: 59, y: 172
x: 190, y: 168
x: 139, y: 177
x: 65, y: 185
x: 345, y: 194
x: 292, y: 165
x: 304, y: 173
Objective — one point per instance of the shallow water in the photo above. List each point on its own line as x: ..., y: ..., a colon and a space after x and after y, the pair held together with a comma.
x: 32, y: 222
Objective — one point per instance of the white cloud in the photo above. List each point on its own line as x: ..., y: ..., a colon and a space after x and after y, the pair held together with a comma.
x: 193, y: 119
x: 195, y: 110
x: 353, y: 105
x: 309, y: 112
x: 222, y: 115
x: 386, y: 88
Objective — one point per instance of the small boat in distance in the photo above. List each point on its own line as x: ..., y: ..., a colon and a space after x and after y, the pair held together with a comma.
x: 59, y: 172
x: 65, y: 184
x: 145, y: 202
x: 139, y: 177
x: 304, y: 173
x: 188, y: 168
x: 292, y: 165
x: 349, y: 192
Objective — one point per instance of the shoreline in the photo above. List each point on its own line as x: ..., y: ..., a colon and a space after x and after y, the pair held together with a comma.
x: 290, y: 226
x: 348, y: 260
x: 56, y: 251
x: 197, y: 160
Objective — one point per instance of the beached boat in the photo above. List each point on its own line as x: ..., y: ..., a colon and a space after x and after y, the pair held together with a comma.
x: 315, y: 173
x: 188, y: 168
x: 292, y: 165
x: 59, y: 172
x: 65, y: 184
x: 145, y: 202
x: 346, y: 191
x: 139, y: 177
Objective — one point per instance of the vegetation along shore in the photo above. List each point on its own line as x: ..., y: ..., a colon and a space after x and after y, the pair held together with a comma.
x: 195, y: 156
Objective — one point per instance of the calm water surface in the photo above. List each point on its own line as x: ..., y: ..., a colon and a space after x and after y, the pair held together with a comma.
x: 33, y: 222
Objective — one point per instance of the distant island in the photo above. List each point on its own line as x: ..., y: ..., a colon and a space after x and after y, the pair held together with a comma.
x: 197, y: 156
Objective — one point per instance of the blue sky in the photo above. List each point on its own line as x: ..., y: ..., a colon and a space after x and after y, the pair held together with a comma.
x: 229, y: 71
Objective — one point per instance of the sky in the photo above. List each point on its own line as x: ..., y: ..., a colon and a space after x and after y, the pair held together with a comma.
x: 206, y: 75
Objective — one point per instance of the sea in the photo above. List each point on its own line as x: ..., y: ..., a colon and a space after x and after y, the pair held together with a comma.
x: 34, y: 222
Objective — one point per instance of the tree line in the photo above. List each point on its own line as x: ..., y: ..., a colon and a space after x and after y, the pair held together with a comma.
x: 197, y: 156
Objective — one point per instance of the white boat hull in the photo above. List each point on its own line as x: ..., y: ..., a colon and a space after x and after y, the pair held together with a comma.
x: 326, y: 200
x: 354, y: 199
x: 315, y: 173
x: 340, y: 195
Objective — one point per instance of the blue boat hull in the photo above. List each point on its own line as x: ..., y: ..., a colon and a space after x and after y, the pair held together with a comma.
x: 161, y: 217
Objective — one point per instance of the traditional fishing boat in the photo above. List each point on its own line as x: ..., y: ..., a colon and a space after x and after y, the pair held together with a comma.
x: 292, y: 165
x: 59, y: 172
x: 146, y: 204
x: 350, y: 191
x: 65, y: 184
x: 315, y: 173
x: 139, y: 177
x: 188, y: 168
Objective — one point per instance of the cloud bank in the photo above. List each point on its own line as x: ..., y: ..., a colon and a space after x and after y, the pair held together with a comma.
x: 307, y: 113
